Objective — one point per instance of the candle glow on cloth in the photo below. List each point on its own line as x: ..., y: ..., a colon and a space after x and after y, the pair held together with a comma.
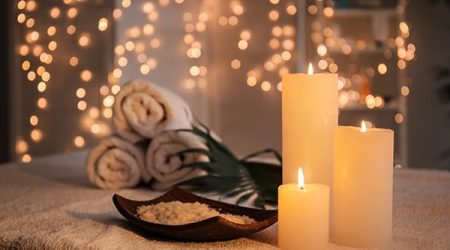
x: 303, y: 215
x: 362, y: 191
x: 309, y: 117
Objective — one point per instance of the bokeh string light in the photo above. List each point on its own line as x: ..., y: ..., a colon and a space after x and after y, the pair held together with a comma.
x: 39, y: 47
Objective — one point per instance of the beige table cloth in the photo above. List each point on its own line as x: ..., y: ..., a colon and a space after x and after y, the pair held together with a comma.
x: 49, y: 204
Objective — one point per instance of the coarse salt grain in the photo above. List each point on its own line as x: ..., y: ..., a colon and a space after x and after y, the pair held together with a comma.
x: 179, y: 213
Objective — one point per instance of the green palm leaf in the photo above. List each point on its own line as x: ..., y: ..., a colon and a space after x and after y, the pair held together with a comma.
x: 230, y: 177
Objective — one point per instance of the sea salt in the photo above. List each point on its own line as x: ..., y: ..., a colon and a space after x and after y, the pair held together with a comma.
x: 178, y: 213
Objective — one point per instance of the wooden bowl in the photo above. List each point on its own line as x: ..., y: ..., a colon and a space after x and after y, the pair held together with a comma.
x: 212, y: 229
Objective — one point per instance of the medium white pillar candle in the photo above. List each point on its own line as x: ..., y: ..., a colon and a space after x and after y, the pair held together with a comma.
x: 309, y: 117
x: 303, y: 215
x: 362, y: 192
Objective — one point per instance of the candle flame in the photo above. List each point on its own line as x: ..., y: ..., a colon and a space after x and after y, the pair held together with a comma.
x: 363, y: 126
x: 301, y: 179
x: 310, y: 69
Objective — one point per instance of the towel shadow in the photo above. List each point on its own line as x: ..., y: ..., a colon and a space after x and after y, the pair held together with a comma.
x: 66, y: 169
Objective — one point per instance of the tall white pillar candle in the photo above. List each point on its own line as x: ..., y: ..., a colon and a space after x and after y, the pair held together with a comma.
x: 309, y: 118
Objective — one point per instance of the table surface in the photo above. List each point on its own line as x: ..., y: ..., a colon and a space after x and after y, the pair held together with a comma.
x: 50, y: 204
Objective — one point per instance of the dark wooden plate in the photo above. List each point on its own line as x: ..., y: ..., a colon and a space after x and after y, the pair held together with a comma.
x: 212, y: 229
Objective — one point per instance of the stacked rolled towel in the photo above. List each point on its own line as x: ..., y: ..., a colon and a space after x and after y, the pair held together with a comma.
x: 115, y: 164
x: 142, y: 110
x: 146, y: 117
x: 169, y: 153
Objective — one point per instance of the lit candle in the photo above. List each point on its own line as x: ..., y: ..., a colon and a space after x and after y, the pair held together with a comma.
x: 309, y: 117
x: 362, y: 199
x: 303, y: 215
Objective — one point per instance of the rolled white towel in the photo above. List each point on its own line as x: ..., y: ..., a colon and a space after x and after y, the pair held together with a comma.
x: 115, y: 164
x: 143, y: 109
x: 165, y: 165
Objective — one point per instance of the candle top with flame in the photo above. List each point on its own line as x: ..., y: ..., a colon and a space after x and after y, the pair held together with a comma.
x: 301, y: 179
x: 310, y: 69
x: 363, y: 126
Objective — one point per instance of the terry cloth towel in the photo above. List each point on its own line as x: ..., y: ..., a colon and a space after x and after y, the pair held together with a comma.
x: 165, y: 158
x: 116, y: 164
x: 143, y: 109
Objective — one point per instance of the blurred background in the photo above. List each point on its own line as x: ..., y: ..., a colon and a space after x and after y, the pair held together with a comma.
x: 65, y: 60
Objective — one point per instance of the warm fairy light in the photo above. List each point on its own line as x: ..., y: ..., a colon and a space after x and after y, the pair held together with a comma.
x: 155, y: 43
x: 312, y: 9
x: 310, y: 69
x: 107, y: 113
x: 41, y: 87
x: 80, y: 93
x: 274, y: 1
x: 379, y: 102
x: 291, y: 9
x: 322, y: 64
x: 86, y: 75
x: 55, y: 12
x: 117, y: 73
x: 333, y: 67
x: 33, y: 36
x: 382, y: 68
x: 246, y: 35
x: 95, y: 128
x: 73, y: 61
x: 286, y: 55
x: 29, y: 23
x: 328, y: 12
x: 102, y: 24
x: 71, y: 29
x: 115, y: 89
x: 222, y: 20
x: 266, y: 86
x: 126, y: 3
x: 129, y: 45
x: 148, y: 7
x: 104, y: 90
x: 117, y: 13
x: 21, y: 5
x: 233, y: 20
x: 34, y: 120
x: 21, y: 146
x: 280, y: 86
x: 21, y: 18
x: 370, y: 101
x: 274, y: 15
x: 321, y: 50
x: 26, y: 65
x: 52, y: 45
x: 363, y: 126
x: 288, y: 44
x: 235, y: 64
x: 122, y: 61
x: 78, y: 141
x: 81, y: 105
x: 277, y: 31
x: 251, y: 81
x: 403, y: 27
x: 31, y: 76
x: 72, y: 12
x: 243, y: 44
x: 145, y: 69
x: 194, y: 71
x: 26, y: 158
x: 36, y: 135
x: 148, y: 29
x: 108, y: 101
x: 24, y: 50
x: 31, y: 5
x: 84, y: 40
x: 398, y: 118
x: 42, y: 103
x: 300, y: 179
x: 404, y: 90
